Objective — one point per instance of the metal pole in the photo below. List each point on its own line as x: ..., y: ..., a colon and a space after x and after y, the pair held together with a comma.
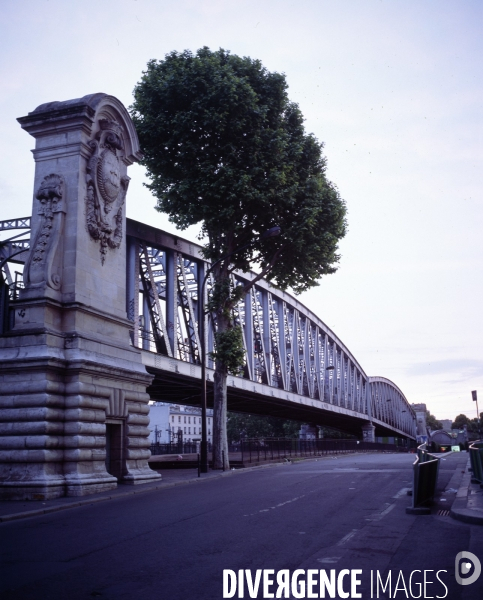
x: 478, y: 420
x: 474, y: 395
x: 204, y: 439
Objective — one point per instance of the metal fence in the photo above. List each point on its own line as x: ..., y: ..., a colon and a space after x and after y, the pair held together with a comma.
x: 272, y: 449
x: 254, y: 450
x: 176, y: 448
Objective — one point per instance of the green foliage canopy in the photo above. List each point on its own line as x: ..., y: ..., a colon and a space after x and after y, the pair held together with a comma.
x: 432, y: 422
x: 471, y: 424
x: 224, y: 147
x: 241, y: 426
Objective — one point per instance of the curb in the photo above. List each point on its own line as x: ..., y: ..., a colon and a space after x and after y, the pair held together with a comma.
x: 459, y: 510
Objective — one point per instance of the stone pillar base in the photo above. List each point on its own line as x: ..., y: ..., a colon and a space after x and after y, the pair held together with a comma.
x: 368, y: 432
x: 83, y: 486
x: 74, y: 410
x: 32, y: 490
x: 141, y: 476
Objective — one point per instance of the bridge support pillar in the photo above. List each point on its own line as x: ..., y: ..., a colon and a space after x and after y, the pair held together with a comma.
x: 368, y: 432
x: 73, y: 404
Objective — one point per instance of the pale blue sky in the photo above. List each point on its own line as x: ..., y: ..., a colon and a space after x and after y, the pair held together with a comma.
x: 394, y: 90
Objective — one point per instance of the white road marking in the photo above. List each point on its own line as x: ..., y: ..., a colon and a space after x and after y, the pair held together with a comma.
x: 381, y: 515
x: 351, y: 469
x: 402, y: 492
x: 347, y: 537
x: 264, y: 510
x: 329, y: 559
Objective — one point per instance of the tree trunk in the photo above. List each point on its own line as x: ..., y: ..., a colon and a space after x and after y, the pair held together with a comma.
x: 220, y: 441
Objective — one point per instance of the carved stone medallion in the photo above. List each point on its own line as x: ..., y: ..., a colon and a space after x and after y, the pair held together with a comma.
x: 106, y: 187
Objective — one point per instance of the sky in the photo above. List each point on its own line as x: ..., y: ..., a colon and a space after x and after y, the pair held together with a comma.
x: 394, y: 90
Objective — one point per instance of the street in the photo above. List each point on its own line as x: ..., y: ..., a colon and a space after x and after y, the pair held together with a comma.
x: 345, y: 512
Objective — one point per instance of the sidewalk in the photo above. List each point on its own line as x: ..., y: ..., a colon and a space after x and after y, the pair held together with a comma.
x: 468, y: 504
x: 12, y: 510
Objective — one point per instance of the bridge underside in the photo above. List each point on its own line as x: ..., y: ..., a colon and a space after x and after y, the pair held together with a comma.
x: 178, y: 389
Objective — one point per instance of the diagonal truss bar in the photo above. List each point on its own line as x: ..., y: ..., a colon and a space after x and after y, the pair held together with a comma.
x: 186, y: 305
x: 151, y: 292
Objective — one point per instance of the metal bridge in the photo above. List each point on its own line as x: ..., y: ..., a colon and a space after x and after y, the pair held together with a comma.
x: 295, y: 366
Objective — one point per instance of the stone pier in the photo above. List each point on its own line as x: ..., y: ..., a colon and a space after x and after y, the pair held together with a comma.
x: 73, y: 403
x: 368, y: 432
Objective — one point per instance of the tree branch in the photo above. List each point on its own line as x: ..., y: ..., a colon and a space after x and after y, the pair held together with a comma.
x: 265, y: 270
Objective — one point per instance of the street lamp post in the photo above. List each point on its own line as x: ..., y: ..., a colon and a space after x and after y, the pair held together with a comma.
x: 272, y: 232
x: 474, y: 395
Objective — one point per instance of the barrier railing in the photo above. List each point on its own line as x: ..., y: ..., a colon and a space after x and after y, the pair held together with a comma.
x: 254, y: 450
x: 425, y: 478
x: 476, y: 458
x: 176, y: 448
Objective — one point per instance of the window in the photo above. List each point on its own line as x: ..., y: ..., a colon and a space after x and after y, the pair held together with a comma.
x: 189, y: 419
x: 185, y: 430
x: 185, y: 419
x: 200, y: 419
x: 172, y: 419
x: 179, y: 419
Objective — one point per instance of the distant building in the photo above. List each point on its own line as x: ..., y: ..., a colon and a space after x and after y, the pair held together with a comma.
x: 446, y: 423
x: 172, y: 422
x: 453, y: 437
x: 422, y: 434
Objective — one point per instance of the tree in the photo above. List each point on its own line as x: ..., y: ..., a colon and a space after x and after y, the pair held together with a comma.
x: 241, y: 426
x: 224, y: 147
x: 471, y: 424
x: 432, y: 422
x: 460, y: 421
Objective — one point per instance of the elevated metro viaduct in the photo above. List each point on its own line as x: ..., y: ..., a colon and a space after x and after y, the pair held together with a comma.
x: 105, y: 317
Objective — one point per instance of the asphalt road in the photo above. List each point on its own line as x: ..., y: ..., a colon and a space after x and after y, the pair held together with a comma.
x: 173, y: 544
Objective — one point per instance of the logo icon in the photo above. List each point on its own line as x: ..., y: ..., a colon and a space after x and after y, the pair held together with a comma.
x: 466, y: 563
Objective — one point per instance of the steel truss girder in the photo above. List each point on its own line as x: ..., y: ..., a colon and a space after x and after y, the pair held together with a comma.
x: 286, y: 347
x: 21, y: 223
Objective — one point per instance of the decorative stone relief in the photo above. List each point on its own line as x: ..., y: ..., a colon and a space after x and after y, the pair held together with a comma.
x: 42, y: 265
x: 106, y: 187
